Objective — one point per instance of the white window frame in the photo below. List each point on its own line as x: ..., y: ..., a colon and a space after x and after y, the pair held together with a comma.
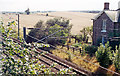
x: 104, y: 25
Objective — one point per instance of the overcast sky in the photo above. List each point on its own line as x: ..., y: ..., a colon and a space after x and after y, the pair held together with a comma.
x: 56, y: 5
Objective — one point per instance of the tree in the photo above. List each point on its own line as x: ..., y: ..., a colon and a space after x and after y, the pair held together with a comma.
x: 59, y: 21
x: 27, y: 11
x: 21, y: 58
x: 84, y: 34
x: 51, y: 26
x: 37, y: 33
x: 90, y: 31
x: 57, y: 40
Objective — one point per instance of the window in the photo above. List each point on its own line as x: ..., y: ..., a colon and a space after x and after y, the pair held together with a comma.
x: 104, y: 26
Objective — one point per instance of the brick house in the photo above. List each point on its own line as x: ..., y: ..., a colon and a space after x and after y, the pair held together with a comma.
x: 106, y: 25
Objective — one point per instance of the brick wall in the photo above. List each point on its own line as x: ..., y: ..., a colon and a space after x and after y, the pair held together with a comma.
x: 97, y: 27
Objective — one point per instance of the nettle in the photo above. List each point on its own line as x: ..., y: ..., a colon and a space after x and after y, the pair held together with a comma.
x: 21, y: 58
x: 116, y: 58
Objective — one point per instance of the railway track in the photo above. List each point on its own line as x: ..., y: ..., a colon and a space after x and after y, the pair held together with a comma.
x: 48, y: 59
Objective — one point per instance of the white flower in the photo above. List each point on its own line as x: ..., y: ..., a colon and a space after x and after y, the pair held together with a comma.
x: 66, y: 69
x: 6, y: 72
x: 10, y: 67
x: 29, y: 44
x: 16, y: 67
x: 26, y: 57
x: 7, y: 64
x: 33, y: 65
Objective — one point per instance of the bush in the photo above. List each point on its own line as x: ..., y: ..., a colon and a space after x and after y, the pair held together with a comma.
x: 90, y: 49
x: 36, y: 33
x: 114, y: 43
x: 50, y: 27
x: 77, y: 45
x: 103, y: 54
x: 57, y: 41
x: 59, y: 21
x: 79, y: 38
x: 116, y: 58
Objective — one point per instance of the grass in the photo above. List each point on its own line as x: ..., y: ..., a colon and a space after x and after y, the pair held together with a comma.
x: 77, y: 59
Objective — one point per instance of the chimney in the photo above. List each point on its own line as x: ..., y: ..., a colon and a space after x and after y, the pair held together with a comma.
x: 118, y: 12
x: 118, y: 5
x: 106, y: 6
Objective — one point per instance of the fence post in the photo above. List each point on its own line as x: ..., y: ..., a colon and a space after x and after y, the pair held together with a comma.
x: 80, y: 50
x: 73, y: 49
x: 75, y: 38
x: 24, y: 33
x: 18, y: 26
x: 67, y: 47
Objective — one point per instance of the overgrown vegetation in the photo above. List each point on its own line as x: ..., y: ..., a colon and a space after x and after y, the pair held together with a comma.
x: 19, y: 59
x: 86, y: 32
x: 106, y: 56
x: 103, y: 55
x: 116, y: 58
x: 90, y: 49
x: 50, y: 27
x: 77, y: 58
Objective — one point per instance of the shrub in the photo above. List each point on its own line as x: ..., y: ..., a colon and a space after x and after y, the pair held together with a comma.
x: 114, y: 43
x: 57, y: 41
x: 90, y: 49
x: 59, y: 21
x: 50, y: 27
x: 77, y: 45
x: 116, y: 58
x: 103, y: 55
x: 86, y: 33
x: 79, y: 38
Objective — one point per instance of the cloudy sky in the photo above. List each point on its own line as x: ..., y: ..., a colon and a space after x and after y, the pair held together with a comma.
x: 56, y: 5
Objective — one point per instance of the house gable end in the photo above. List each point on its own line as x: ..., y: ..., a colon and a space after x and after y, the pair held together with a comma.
x: 98, y: 27
x: 100, y: 14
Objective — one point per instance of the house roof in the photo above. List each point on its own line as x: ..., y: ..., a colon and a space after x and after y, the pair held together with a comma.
x: 113, y: 15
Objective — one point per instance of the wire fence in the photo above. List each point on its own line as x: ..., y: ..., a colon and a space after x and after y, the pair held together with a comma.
x: 41, y: 40
x: 50, y: 35
x: 76, y: 56
x: 60, y: 29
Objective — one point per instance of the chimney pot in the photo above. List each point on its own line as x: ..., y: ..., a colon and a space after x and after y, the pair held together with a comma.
x: 106, y: 6
x: 118, y: 5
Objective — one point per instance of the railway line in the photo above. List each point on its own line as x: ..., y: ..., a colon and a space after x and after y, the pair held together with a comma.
x: 48, y: 59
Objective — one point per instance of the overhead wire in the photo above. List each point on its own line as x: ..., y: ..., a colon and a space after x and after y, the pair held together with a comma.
x: 50, y: 35
x: 76, y: 56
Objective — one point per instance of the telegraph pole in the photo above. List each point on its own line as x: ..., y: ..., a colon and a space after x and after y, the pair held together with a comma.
x: 18, y: 26
x: 24, y: 33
